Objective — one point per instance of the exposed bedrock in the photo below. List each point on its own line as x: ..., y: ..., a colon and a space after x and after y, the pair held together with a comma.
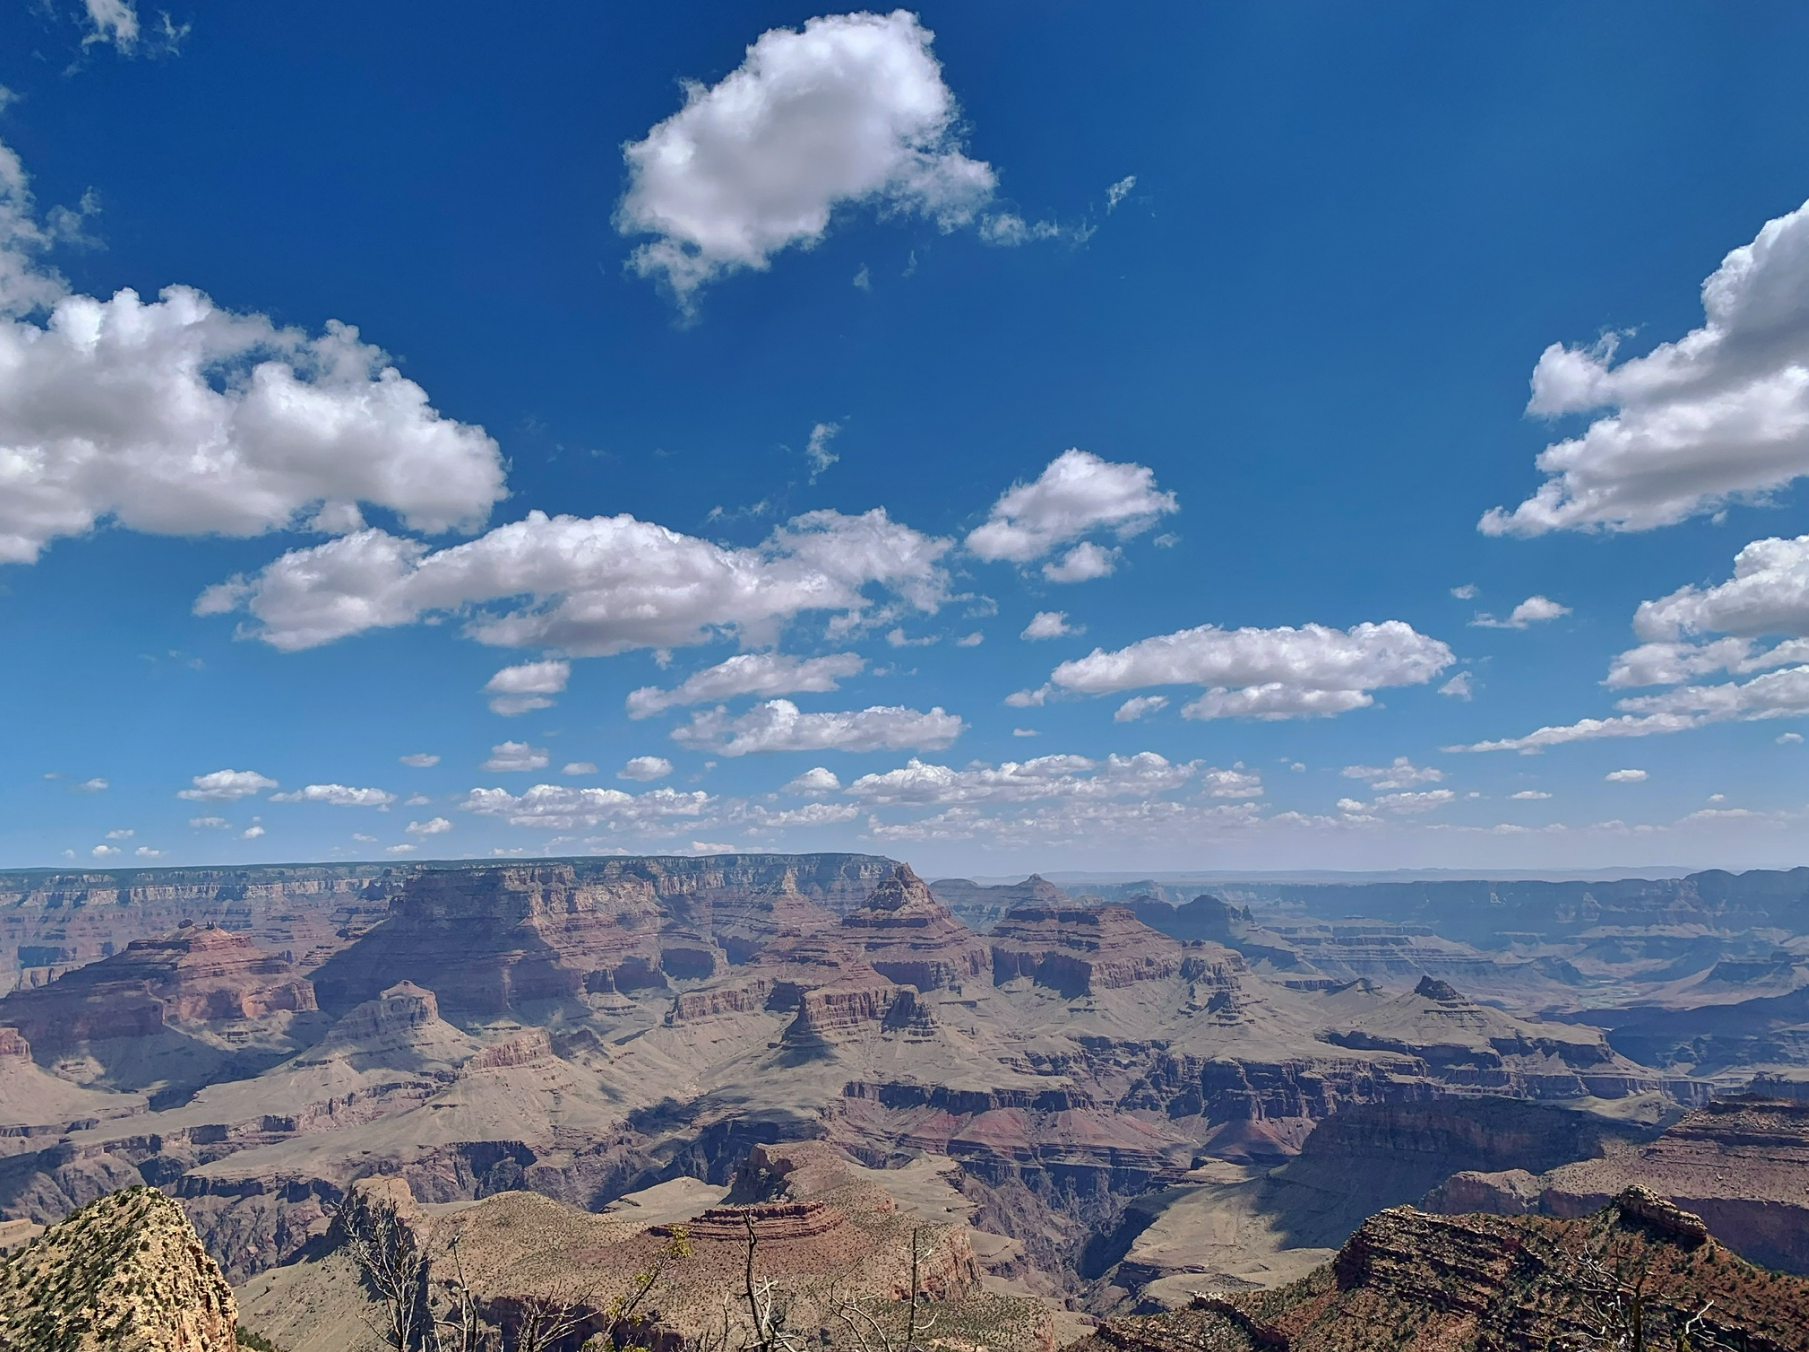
x: 491, y: 938
x: 197, y: 975
x: 1075, y: 950
x: 907, y: 936
x: 1222, y: 1089
x: 1740, y: 1163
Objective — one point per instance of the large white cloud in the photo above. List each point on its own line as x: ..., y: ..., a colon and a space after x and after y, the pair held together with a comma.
x: 1077, y: 494
x: 1768, y: 594
x: 779, y: 725
x: 748, y: 674
x: 1720, y: 415
x: 1265, y: 673
x: 851, y: 110
x: 179, y: 418
x: 593, y: 585
x: 560, y: 807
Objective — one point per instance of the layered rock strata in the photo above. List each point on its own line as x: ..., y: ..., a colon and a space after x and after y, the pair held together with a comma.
x: 1741, y: 1163
x: 1409, y: 1280
x: 1078, y: 951
x: 197, y: 975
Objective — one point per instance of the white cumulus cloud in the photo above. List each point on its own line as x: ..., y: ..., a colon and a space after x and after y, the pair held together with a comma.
x: 1051, y: 624
x: 645, y: 768
x: 1766, y: 599
x: 592, y: 586
x: 1625, y: 776
x: 1400, y: 774
x: 560, y: 807
x: 779, y: 725
x: 419, y: 760
x: 1265, y: 673
x: 817, y: 780
x: 224, y: 786
x: 524, y: 688
x: 336, y: 795
x: 1720, y: 415
x: 850, y: 111
x: 516, y: 756
x: 1146, y: 774
x: 748, y: 674
x: 1533, y: 610
x: 176, y: 417
x: 1082, y: 563
x: 1137, y: 706
x: 433, y: 826
x: 1077, y: 494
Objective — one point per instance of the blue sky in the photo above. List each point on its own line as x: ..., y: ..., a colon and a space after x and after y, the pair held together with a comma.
x: 1001, y: 435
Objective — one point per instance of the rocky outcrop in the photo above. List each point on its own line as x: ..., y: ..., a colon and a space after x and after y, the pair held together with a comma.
x: 1410, y: 1280
x: 832, y: 1014
x: 1742, y: 1164
x: 1077, y: 950
x: 126, y: 1273
x: 909, y: 937
x: 771, y: 1221
x: 197, y: 975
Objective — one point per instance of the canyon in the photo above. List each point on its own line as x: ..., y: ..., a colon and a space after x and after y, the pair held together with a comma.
x: 1105, y: 1100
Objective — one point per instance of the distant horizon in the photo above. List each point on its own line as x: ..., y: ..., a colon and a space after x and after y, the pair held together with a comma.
x: 1063, y: 878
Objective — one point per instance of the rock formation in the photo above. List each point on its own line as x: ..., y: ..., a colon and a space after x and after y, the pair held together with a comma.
x: 126, y: 1273
x: 907, y: 936
x: 197, y: 975
x: 980, y: 907
x: 487, y: 939
x: 1741, y: 1163
x: 1078, y: 951
x: 1409, y: 1280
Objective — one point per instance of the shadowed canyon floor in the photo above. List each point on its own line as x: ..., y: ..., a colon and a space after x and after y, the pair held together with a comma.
x: 1099, y: 1103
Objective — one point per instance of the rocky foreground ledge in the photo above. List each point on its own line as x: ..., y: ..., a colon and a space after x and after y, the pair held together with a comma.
x: 126, y: 1273
x: 1481, y: 1283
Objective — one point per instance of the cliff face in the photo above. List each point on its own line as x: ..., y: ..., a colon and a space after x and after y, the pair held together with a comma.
x: 909, y: 937
x: 52, y: 921
x: 1409, y: 1280
x: 490, y: 938
x: 126, y: 1273
x: 196, y: 975
x: 1741, y: 1163
x: 1077, y: 951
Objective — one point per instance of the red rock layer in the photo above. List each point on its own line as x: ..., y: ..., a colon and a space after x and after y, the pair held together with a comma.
x: 486, y: 939
x: 908, y: 936
x: 193, y: 976
x: 1077, y: 950
x: 772, y: 1221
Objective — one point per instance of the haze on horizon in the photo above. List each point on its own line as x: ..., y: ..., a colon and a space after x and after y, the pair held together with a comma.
x: 1220, y: 440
